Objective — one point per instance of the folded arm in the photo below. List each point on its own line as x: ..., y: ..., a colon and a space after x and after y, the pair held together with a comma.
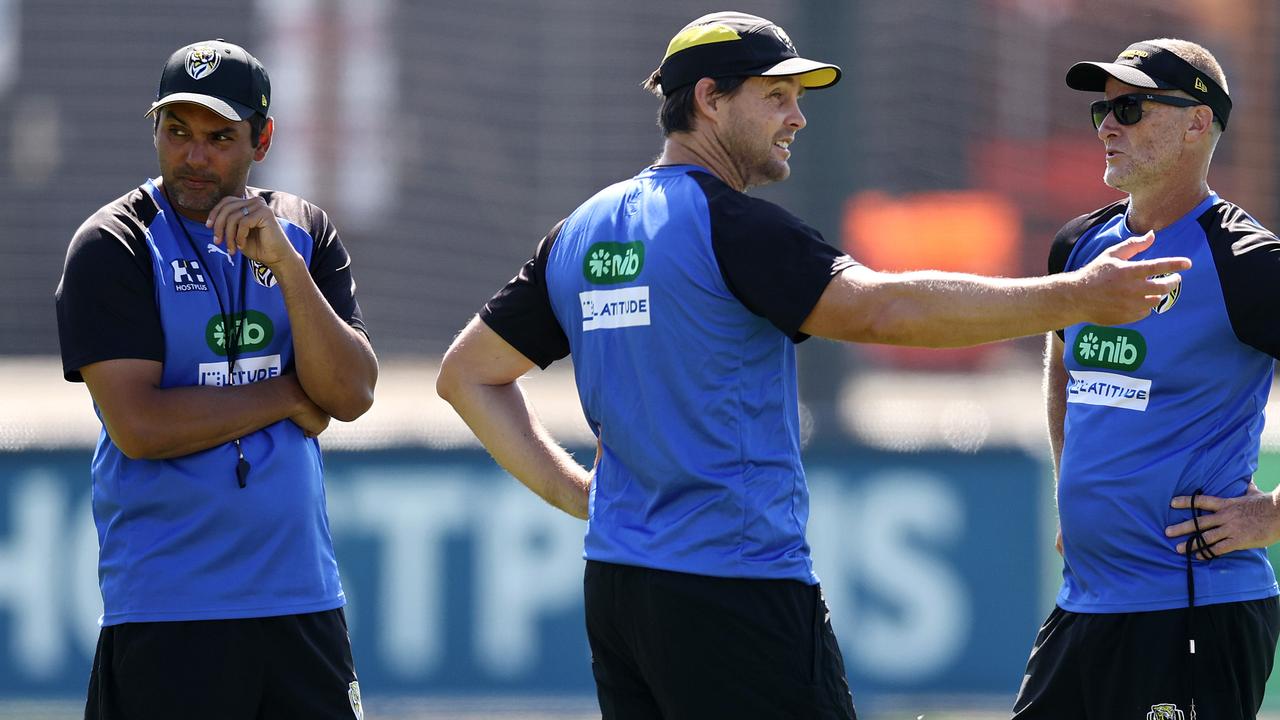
x: 334, y: 361
x: 149, y: 422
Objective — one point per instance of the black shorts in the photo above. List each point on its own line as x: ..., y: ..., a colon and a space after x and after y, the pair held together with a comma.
x: 673, y: 646
x: 292, y: 666
x: 1137, y: 665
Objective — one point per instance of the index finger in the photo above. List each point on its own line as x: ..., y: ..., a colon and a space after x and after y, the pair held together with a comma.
x: 1203, y: 502
x: 1159, y: 266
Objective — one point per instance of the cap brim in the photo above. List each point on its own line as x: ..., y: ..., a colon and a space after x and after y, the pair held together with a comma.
x: 1092, y: 77
x: 813, y: 75
x: 229, y: 110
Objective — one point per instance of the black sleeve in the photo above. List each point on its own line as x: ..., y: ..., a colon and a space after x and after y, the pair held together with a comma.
x: 1065, y: 241
x: 1247, y: 257
x: 106, y: 299
x: 773, y: 263
x: 331, y: 271
x: 521, y: 311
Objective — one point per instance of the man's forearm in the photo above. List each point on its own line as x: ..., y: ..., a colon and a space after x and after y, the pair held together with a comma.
x: 937, y: 309
x: 505, y: 424
x: 940, y: 309
x: 335, y: 364
x: 1055, y: 395
x: 166, y: 423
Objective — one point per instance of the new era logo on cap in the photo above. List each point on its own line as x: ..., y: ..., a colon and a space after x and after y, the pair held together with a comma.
x: 217, y: 74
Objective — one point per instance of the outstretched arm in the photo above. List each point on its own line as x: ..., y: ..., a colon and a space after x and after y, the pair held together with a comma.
x: 941, y: 309
x: 478, y: 378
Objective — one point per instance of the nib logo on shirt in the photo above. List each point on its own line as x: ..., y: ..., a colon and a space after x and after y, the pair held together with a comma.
x: 610, y: 263
x: 1111, y: 348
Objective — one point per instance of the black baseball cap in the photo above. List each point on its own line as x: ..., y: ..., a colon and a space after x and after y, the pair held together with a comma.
x: 1146, y: 65
x: 729, y: 44
x: 218, y: 75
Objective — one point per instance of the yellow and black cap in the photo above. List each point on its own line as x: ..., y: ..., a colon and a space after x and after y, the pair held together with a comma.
x: 1150, y: 66
x: 731, y: 44
x: 218, y: 75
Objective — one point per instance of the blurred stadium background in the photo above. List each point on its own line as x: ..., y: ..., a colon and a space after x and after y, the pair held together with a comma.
x: 444, y: 138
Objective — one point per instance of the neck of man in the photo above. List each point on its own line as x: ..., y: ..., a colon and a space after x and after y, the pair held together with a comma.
x: 1177, y: 191
x: 1158, y: 208
x: 698, y: 148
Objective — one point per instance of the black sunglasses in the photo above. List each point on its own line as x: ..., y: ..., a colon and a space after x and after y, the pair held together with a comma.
x: 1128, y: 108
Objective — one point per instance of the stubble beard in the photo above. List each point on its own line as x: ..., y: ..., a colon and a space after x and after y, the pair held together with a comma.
x: 195, y: 201
x: 756, y: 163
x: 202, y: 201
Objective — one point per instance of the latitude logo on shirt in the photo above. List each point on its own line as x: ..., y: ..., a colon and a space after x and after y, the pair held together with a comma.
x: 610, y: 263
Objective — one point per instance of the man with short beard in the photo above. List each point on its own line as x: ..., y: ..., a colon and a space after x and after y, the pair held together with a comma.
x: 217, y: 330
x: 1166, y: 408
x: 680, y: 299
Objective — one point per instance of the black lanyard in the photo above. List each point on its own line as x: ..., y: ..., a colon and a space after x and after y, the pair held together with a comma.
x: 231, y: 329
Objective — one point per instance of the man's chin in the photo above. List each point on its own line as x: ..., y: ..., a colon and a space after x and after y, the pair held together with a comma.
x: 202, y: 203
x: 1116, y: 180
x: 771, y: 173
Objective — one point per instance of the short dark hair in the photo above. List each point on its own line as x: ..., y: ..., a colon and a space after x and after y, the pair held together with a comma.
x: 677, y: 112
x: 257, y: 123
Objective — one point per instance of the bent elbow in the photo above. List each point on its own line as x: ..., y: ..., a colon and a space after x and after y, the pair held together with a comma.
x: 353, y: 408
x: 133, y: 445
x: 447, y: 380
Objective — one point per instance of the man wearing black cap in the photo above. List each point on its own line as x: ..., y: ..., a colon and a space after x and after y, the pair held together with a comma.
x: 681, y: 299
x: 1167, y: 405
x: 217, y: 329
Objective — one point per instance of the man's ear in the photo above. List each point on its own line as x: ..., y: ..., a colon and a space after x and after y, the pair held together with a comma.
x: 706, y: 100
x: 1201, y: 122
x: 264, y: 140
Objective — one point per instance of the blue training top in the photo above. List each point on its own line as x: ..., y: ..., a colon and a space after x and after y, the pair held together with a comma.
x: 1165, y: 406
x: 680, y: 300
x: 178, y: 538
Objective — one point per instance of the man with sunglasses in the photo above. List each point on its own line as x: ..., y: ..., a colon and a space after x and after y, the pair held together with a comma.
x: 1169, y: 405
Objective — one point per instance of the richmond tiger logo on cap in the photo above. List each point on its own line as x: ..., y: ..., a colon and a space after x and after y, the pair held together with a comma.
x: 202, y: 61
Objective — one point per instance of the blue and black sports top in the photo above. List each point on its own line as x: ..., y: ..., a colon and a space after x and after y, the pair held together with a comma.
x: 179, y: 539
x: 1165, y: 406
x: 681, y: 300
